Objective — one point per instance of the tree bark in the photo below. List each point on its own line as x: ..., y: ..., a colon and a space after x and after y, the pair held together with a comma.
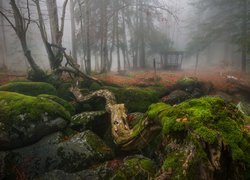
x: 244, y: 36
x: 88, y: 64
x: 4, y: 45
x: 73, y: 29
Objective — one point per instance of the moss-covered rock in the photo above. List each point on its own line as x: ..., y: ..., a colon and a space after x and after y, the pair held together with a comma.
x: 57, y: 152
x: 187, y: 84
x: 64, y: 92
x: 137, y: 100
x: 96, y: 121
x: 60, y: 101
x: 206, y: 137
x: 25, y: 119
x: 29, y: 88
x: 135, y: 167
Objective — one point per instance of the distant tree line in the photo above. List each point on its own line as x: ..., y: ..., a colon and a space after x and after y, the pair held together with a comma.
x: 222, y: 20
x: 101, y: 29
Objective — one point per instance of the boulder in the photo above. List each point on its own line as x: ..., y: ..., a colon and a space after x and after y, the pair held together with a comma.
x: 176, y: 97
x: 96, y: 121
x: 244, y: 107
x: 60, y: 101
x: 55, y: 152
x: 135, y: 167
x: 202, y: 139
x: 26, y: 119
x: 187, y: 84
x: 29, y: 88
x: 131, y: 167
x: 226, y: 97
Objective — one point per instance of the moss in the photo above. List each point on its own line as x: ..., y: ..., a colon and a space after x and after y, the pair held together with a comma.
x: 174, y: 161
x: 60, y: 101
x: 207, y: 134
x: 95, y: 142
x: 187, y: 84
x: 16, y: 107
x: 135, y: 99
x: 29, y: 88
x: 63, y: 91
x: 135, y: 167
x: 95, y: 86
x: 207, y: 117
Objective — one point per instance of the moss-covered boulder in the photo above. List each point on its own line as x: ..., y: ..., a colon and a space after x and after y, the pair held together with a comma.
x: 25, y: 119
x: 135, y: 167
x: 202, y: 139
x: 29, y: 88
x: 96, y: 121
x: 176, y: 97
x: 56, y: 152
x: 187, y: 84
x: 70, y: 108
x: 137, y: 100
x: 132, y: 167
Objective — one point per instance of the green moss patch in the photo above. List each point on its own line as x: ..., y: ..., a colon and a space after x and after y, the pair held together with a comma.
x: 137, y: 100
x: 135, y: 167
x: 60, y: 101
x: 194, y: 129
x: 13, y: 106
x: 29, y: 88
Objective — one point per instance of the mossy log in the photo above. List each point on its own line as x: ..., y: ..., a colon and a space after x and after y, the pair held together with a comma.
x: 127, y: 138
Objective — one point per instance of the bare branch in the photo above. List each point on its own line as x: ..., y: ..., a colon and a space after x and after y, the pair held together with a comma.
x: 63, y: 16
x: 9, y: 21
x: 29, y: 18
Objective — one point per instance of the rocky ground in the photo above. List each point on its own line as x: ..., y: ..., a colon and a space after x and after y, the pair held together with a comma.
x: 204, y: 128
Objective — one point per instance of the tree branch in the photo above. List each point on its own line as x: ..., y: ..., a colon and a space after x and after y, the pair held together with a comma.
x: 9, y: 21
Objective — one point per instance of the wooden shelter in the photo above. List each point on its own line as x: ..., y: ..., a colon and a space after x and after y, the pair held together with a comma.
x: 172, y: 60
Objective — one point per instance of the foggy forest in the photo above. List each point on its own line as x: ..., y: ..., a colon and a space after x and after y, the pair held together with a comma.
x: 125, y: 89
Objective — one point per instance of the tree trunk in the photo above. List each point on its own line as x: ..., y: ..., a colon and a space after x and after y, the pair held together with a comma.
x: 118, y: 42
x: 244, y: 36
x: 53, y: 21
x: 3, y: 64
x: 142, y: 39
x: 73, y: 29
x: 88, y: 61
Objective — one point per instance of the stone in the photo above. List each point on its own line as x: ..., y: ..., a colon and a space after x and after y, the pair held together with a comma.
x: 55, y: 153
x: 26, y: 119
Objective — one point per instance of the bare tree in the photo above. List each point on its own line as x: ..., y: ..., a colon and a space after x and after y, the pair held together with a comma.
x: 20, y: 26
x: 54, y: 49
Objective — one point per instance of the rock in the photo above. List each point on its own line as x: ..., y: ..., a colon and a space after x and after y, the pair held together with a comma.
x: 26, y: 119
x: 132, y: 167
x: 96, y: 121
x: 29, y: 88
x: 202, y: 139
x: 54, y: 153
x: 137, y: 99
x: 187, y: 84
x: 64, y: 92
x: 244, y: 107
x: 226, y: 97
x: 135, y: 167
x: 60, y: 101
x: 176, y: 97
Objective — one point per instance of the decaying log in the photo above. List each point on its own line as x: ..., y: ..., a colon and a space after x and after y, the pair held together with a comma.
x: 125, y: 137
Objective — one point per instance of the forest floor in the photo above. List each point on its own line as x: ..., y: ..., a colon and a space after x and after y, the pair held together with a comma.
x: 222, y: 80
